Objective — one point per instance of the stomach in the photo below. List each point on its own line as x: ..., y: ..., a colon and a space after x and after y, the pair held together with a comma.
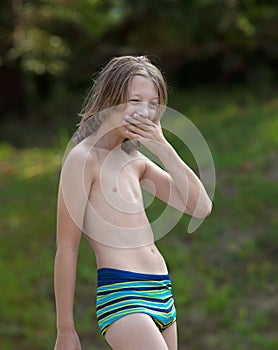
x: 122, y: 240
x: 115, y: 228
x: 146, y: 259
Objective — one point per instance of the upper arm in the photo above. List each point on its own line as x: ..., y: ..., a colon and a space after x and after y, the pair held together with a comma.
x: 155, y: 180
x: 160, y: 183
x: 74, y: 187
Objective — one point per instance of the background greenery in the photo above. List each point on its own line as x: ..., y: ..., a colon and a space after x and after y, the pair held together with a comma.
x: 219, y: 57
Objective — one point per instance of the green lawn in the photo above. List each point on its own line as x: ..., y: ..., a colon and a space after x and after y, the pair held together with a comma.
x: 224, y: 275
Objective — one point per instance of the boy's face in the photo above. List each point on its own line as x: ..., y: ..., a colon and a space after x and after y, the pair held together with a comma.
x: 143, y: 97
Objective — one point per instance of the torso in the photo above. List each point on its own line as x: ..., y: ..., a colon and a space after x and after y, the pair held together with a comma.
x: 115, y: 221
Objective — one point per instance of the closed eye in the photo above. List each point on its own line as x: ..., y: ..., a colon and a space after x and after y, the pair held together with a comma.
x: 153, y: 104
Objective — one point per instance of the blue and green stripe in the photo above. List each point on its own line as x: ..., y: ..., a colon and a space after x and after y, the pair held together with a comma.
x: 121, y: 293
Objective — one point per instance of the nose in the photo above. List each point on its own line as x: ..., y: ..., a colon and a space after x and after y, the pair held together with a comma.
x: 143, y: 109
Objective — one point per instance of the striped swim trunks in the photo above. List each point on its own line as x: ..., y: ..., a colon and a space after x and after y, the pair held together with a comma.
x: 120, y: 293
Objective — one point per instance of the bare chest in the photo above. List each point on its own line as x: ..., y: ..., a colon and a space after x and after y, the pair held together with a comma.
x: 117, y: 183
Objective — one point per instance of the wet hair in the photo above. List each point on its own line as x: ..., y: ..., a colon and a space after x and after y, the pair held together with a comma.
x: 111, y: 89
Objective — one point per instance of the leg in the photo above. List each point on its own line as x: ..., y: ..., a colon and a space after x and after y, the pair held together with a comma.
x: 135, y: 332
x: 170, y: 336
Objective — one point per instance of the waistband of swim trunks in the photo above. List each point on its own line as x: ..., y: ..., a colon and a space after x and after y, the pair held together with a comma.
x: 108, y: 276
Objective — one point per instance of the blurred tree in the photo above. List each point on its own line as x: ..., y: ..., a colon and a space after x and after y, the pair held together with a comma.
x: 12, y: 95
x: 210, y: 38
x: 199, y: 40
x: 39, y: 40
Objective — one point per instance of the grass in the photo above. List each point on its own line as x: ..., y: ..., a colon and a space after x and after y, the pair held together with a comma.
x: 224, y: 275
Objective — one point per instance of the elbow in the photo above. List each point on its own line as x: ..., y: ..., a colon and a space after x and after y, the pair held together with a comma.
x: 202, y: 211
x: 208, y: 209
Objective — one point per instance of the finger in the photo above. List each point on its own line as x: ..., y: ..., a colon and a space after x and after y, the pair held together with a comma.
x: 142, y: 119
x: 137, y: 130
x: 132, y: 135
x: 137, y: 124
x: 137, y: 119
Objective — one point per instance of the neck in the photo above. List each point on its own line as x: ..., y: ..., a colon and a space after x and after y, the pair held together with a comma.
x: 108, y: 137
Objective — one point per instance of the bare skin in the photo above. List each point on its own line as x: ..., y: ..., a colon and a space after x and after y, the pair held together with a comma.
x: 100, y: 194
x: 138, y: 331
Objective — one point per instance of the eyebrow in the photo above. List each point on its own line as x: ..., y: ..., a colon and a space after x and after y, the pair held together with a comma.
x: 139, y: 95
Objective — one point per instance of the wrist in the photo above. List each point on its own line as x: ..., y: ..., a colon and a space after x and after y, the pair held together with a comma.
x: 165, y: 150
x: 65, y: 328
x: 62, y: 332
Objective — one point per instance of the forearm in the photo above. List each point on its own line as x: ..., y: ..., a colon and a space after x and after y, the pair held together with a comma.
x: 64, y: 283
x: 187, y: 193
x: 189, y: 187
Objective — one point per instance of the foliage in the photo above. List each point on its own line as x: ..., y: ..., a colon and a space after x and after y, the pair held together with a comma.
x: 42, y: 31
x: 200, y: 40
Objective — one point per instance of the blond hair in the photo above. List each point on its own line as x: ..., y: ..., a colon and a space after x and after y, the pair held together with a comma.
x: 111, y: 89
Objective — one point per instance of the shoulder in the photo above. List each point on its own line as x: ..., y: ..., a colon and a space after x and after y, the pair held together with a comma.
x: 81, y: 159
x: 153, y: 170
x: 144, y: 163
x: 145, y: 160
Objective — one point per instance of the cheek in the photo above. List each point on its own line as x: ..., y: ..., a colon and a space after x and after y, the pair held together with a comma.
x: 130, y: 109
x: 154, y: 115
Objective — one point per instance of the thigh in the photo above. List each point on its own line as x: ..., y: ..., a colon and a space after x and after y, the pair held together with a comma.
x: 171, y: 337
x: 135, y: 331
